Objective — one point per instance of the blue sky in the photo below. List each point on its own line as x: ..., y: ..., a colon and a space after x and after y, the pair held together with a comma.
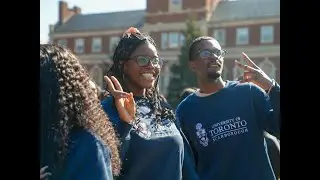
x: 49, y: 10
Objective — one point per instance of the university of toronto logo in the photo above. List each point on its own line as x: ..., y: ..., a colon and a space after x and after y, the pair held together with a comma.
x: 202, y: 135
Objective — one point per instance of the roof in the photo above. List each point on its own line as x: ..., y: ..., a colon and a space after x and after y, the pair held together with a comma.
x: 225, y: 11
x: 246, y: 9
x: 103, y: 21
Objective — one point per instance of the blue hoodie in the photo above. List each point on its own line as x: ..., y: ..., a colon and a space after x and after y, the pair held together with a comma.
x: 87, y: 159
x: 150, y: 150
x: 225, y: 131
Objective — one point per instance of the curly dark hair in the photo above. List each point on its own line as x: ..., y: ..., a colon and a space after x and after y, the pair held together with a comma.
x: 67, y: 103
x: 126, y: 46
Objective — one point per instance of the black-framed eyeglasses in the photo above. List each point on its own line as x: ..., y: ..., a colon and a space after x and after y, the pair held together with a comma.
x: 217, y: 54
x: 144, y: 61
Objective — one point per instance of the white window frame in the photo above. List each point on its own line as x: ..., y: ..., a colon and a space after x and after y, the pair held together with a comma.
x: 175, y: 5
x: 164, y: 40
x: 114, y: 40
x: 167, y: 37
x: 266, y: 34
x: 96, y: 45
x: 240, y: 32
x: 174, y: 36
x: 221, y: 39
x: 182, y: 39
x: 79, y: 45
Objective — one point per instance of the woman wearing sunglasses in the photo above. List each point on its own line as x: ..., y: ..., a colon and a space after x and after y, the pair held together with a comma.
x: 153, y: 147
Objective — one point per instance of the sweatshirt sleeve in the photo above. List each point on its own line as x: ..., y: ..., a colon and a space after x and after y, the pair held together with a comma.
x: 122, y: 128
x: 268, y: 109
x: 88, y: 159
x: 189, y: 168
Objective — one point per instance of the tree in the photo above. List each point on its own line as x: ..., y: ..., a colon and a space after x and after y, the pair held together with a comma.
x: 182, y: 77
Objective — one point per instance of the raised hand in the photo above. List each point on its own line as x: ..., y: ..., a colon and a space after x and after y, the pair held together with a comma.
x: 252, y: 73
x: 43, y: 173
x: 124, y: 101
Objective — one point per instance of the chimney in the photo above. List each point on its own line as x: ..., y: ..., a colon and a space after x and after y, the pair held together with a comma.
x: 65, y: 13
x: 76, y: 10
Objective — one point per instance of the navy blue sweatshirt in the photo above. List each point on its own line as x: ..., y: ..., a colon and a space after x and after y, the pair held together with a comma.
x: 87, y: 159
x: 225, y: 131
x: 151, y: 150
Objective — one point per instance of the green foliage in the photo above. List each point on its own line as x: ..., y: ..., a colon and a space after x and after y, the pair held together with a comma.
x: 182, y: 77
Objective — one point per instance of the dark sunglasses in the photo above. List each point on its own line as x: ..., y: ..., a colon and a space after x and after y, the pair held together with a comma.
x: 212, y: 54
x: 143, y: 61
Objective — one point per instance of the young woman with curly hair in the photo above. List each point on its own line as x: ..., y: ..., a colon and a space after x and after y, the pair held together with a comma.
x: 77, y: 138
x: 153, y: 146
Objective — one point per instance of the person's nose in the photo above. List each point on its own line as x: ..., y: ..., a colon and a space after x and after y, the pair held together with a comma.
x: 150, y: 65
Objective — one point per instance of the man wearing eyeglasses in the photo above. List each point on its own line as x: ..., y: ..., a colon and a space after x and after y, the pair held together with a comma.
x: 224, y: 121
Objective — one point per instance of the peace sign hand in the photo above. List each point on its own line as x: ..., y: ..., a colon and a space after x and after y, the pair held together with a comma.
x: 43, y: 173
x: 124, y: 101
x: 252, y: 73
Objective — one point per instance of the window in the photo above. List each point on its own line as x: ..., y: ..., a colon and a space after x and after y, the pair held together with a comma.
x: 96, y: 44
x: 79, y: 46
x: 164, y: 40
x: 266, y: 34
x: 63, y: 42
x: 164, y: 78
x: 242, y: 36
x: 175, y: 5
x: 113, y: 43
x: 220, y: 36
x: 172, y: 40
x: 182, y: 39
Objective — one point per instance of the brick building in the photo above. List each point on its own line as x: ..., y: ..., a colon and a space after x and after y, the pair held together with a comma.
x: 251, y: 26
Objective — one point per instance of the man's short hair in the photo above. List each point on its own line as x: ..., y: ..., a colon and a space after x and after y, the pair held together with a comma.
x: 194, y: 44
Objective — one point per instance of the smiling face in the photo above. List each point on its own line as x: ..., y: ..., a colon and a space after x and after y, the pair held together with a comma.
x: 143, y: 67
x: 207, y: 61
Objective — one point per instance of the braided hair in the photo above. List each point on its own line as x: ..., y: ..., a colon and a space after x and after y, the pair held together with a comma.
x: 129, y: 42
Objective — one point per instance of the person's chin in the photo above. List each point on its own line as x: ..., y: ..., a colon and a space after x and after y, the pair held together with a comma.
x: 214, y: 75
x: 147, y: 84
